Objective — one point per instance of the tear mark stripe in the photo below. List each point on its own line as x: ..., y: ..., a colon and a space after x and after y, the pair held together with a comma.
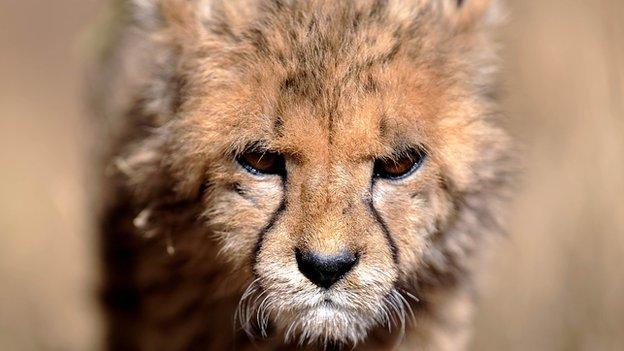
x: 267, y: 228
x: 384, y: 227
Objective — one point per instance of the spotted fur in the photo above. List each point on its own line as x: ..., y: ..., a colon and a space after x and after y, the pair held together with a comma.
x: 200, y: 254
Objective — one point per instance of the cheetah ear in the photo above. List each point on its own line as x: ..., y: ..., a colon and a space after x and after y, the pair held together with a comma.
x: 140, y: 169
x: 171, y: 15
x: 149, y: 172
x: 146, y: 12
x: 471, y: 14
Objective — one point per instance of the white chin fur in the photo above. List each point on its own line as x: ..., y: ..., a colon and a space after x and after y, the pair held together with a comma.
x: 306, y: 319
x: 324, y: 324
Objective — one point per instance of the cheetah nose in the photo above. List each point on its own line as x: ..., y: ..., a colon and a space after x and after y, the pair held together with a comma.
x: 323, y: 270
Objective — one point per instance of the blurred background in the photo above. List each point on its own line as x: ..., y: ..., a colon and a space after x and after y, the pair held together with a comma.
x: 557, y: 283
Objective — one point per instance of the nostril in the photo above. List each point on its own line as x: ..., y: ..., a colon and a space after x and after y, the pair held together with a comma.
x: 325, y: 270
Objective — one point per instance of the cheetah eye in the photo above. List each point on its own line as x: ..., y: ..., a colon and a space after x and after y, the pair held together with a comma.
x: 400, y: 165
x: 262, y: 162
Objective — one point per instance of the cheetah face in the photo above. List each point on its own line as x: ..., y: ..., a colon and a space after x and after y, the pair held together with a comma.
x: 335, y: 143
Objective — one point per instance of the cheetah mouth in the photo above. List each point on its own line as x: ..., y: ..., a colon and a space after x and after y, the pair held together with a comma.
x: 327, y: 316
x: 341, y: 323
x: 328, y: 307
x: 328, y: 302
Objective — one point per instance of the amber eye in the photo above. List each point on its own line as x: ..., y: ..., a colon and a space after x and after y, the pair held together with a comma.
x: 262, y: 162
x: 400, y: 165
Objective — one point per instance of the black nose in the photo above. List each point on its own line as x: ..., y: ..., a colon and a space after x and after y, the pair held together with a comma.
x: 323, y: 270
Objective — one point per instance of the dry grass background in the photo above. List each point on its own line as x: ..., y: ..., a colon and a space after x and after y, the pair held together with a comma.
x: 555, y: 284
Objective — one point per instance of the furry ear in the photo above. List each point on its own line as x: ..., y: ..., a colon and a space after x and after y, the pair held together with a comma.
x: 146, y: 11
x: 151, y: 174
x: 140, y: 169
x: 172, y: 15
x: 468, y: 14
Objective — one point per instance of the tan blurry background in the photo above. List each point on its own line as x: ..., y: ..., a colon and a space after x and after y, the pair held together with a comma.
x: 556, y: 284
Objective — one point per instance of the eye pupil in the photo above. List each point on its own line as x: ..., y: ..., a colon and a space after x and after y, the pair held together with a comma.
x: 262, y: 162
x: 400, y: 166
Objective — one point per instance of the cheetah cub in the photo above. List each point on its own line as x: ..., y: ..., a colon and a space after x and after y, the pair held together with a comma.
x: 290, y: 174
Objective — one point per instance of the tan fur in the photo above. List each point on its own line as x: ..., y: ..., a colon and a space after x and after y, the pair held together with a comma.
x: 192, y: 242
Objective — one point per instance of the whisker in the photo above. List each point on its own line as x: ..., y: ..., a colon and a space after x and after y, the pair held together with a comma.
x: 400, y: 304
x: 408, y: 294
x: 407, y: 305
x: 246, y: 306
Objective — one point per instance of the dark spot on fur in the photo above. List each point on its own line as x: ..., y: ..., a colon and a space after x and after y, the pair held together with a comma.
x: 384, y: 58
x: 258, y: 40
x: 239, y: 189
x: 257, y: 78
x: 447, y: 185
x: 278, y: 126
x: 371, y: 85
x: 383, y: 127
x: 330, y: 130
x: 371, y: 41
x: 178, y: 86
x: 417, y: 194
x: 293, y: 35
x: 222, y: 28
x: 278, y: 4
x: 390, y: 55
x: 357, y: 19
x: 309, y: 84
x: 378, y: 8
x: 347, y: 208
x: 289, y: 83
